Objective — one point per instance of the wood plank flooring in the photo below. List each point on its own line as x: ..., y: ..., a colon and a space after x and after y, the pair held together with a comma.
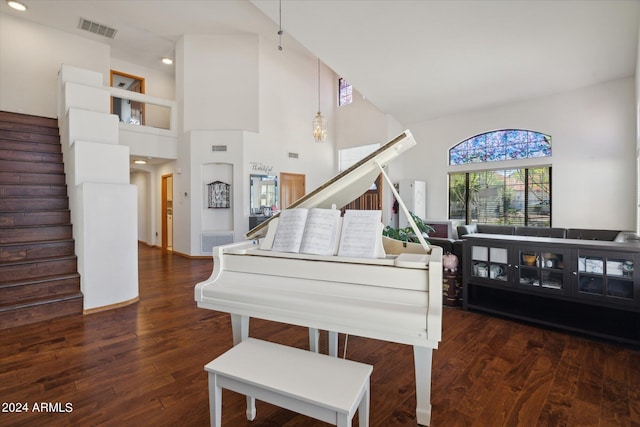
x: 142, y: 365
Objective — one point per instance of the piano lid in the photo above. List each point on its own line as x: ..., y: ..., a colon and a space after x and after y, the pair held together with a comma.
x: 349, y: 184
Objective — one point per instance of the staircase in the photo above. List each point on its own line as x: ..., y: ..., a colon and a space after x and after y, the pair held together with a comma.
x: 39, y: 277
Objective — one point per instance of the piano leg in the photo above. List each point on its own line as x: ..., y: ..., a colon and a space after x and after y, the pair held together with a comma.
x: 333, y: 344
x: 239, y: 328
x: 314, y: 338
x: 240, y: 331
x: 422, y: 360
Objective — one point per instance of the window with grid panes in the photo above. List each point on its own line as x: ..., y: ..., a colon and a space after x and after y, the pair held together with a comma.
x: 502, y: 196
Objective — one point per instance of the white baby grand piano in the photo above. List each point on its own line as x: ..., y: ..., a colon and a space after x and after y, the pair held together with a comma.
x: 397, y: 298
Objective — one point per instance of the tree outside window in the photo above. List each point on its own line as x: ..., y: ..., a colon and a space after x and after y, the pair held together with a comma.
x: 502, y: 196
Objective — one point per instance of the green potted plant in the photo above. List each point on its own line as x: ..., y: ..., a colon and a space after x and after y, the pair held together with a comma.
x: 402, y: 240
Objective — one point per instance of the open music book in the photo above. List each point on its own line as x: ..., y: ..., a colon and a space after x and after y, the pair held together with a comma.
x: 323, y: 232
x: 308, y: 231
x: 361, y: 235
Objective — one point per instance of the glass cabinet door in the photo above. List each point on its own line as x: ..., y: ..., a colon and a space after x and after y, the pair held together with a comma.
x: 610, y: 277
x: 542, y: 269
x: 489, y: 263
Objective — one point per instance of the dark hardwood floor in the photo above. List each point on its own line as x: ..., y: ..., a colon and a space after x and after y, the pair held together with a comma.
x: 142, y: 365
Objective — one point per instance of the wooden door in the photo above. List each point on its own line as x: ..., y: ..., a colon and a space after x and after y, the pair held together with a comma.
x: 136, y: 109
x: 292, y: 187
x: 370, y: 200
x: 167, y: 212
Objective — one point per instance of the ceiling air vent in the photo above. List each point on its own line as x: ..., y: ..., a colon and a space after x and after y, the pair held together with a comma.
x: 293, y: 155
x: 218, y: 148
x: 94, y: 27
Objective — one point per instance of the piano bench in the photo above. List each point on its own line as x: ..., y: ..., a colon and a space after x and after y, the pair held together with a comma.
x: 316, y: 385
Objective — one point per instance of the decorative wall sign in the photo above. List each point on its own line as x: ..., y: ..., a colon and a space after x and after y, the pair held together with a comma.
x: 219, y: 194
x: 261, y: 168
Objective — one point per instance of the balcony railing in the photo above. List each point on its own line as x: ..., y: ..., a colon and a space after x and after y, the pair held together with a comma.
x: 148, y: 125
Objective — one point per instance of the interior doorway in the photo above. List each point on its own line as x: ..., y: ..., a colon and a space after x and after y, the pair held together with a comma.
x: 292, y: 187
x: 167, y: 212
x: 128, y: 111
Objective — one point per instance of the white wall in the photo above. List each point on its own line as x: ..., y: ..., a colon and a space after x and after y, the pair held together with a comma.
x: 219, y: 82
x: 593, y: 137
x: 142, y: 180
x: 288, y: 96
x: 31, y: 56
x: 361, y: 123
x: 638, y: 137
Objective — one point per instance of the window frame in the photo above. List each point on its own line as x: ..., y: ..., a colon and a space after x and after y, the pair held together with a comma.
x: 345, y: 92
x: 528, y: 219
x: 501, y: 145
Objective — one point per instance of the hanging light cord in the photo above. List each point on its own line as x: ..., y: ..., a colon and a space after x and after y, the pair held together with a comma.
x: 318, y: 85
x: 280, y: 32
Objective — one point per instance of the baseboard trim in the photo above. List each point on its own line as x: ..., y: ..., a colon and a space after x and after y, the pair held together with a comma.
x: 192, y: 256
x: 111, y: 306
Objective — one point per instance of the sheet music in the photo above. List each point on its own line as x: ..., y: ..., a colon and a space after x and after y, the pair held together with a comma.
x: 321, y: 232
x: 361, y: 234
x: 312, y: 231
x: 290, y: 230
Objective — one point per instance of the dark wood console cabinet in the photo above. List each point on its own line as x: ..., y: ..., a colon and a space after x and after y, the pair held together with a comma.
x: 584, y: 286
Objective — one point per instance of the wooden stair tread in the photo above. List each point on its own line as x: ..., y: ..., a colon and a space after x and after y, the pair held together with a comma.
x: 44, y: 259
x: 33, y: 203
x: 18, y: 166
x: 30, y: 155
x: 33, y: 190
x: 44, y: 242
x: 26, y: 271
x: 39, y: 301
x: 30, y: 119
x: 17, y: 144
x: 39, y: 280
x: 7, y: 177
x: 25, y: 251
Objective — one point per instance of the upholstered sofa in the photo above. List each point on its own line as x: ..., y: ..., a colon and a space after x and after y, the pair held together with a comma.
x: 562, y: 233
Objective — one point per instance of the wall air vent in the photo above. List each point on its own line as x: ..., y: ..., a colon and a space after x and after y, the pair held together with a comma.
x: 293, y: 155
x: 218, y: 148
x: 210, y: 240
x: 94, y: 27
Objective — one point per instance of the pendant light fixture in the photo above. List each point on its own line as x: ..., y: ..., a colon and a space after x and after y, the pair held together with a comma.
x: 280, y: 32
x: 319, y: 123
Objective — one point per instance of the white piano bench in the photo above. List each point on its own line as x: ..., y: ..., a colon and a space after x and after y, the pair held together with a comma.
x: 316, y: 385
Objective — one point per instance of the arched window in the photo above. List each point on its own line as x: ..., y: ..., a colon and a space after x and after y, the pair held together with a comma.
x: 518, y: 196
x: 506, y: 144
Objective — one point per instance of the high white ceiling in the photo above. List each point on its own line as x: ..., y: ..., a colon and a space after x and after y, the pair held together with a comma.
x: 414, y: 59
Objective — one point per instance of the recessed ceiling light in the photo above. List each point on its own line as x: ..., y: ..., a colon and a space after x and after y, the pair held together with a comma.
x: 167, y: 61
x: 140, y: 162
x: 17, y: 5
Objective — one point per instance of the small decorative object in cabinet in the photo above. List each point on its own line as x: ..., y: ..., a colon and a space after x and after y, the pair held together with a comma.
x: 541, y: 269
x: 489, y: 262
x: 606, y: 276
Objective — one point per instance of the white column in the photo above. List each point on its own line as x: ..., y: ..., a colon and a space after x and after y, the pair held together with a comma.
x: 103, y: 203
